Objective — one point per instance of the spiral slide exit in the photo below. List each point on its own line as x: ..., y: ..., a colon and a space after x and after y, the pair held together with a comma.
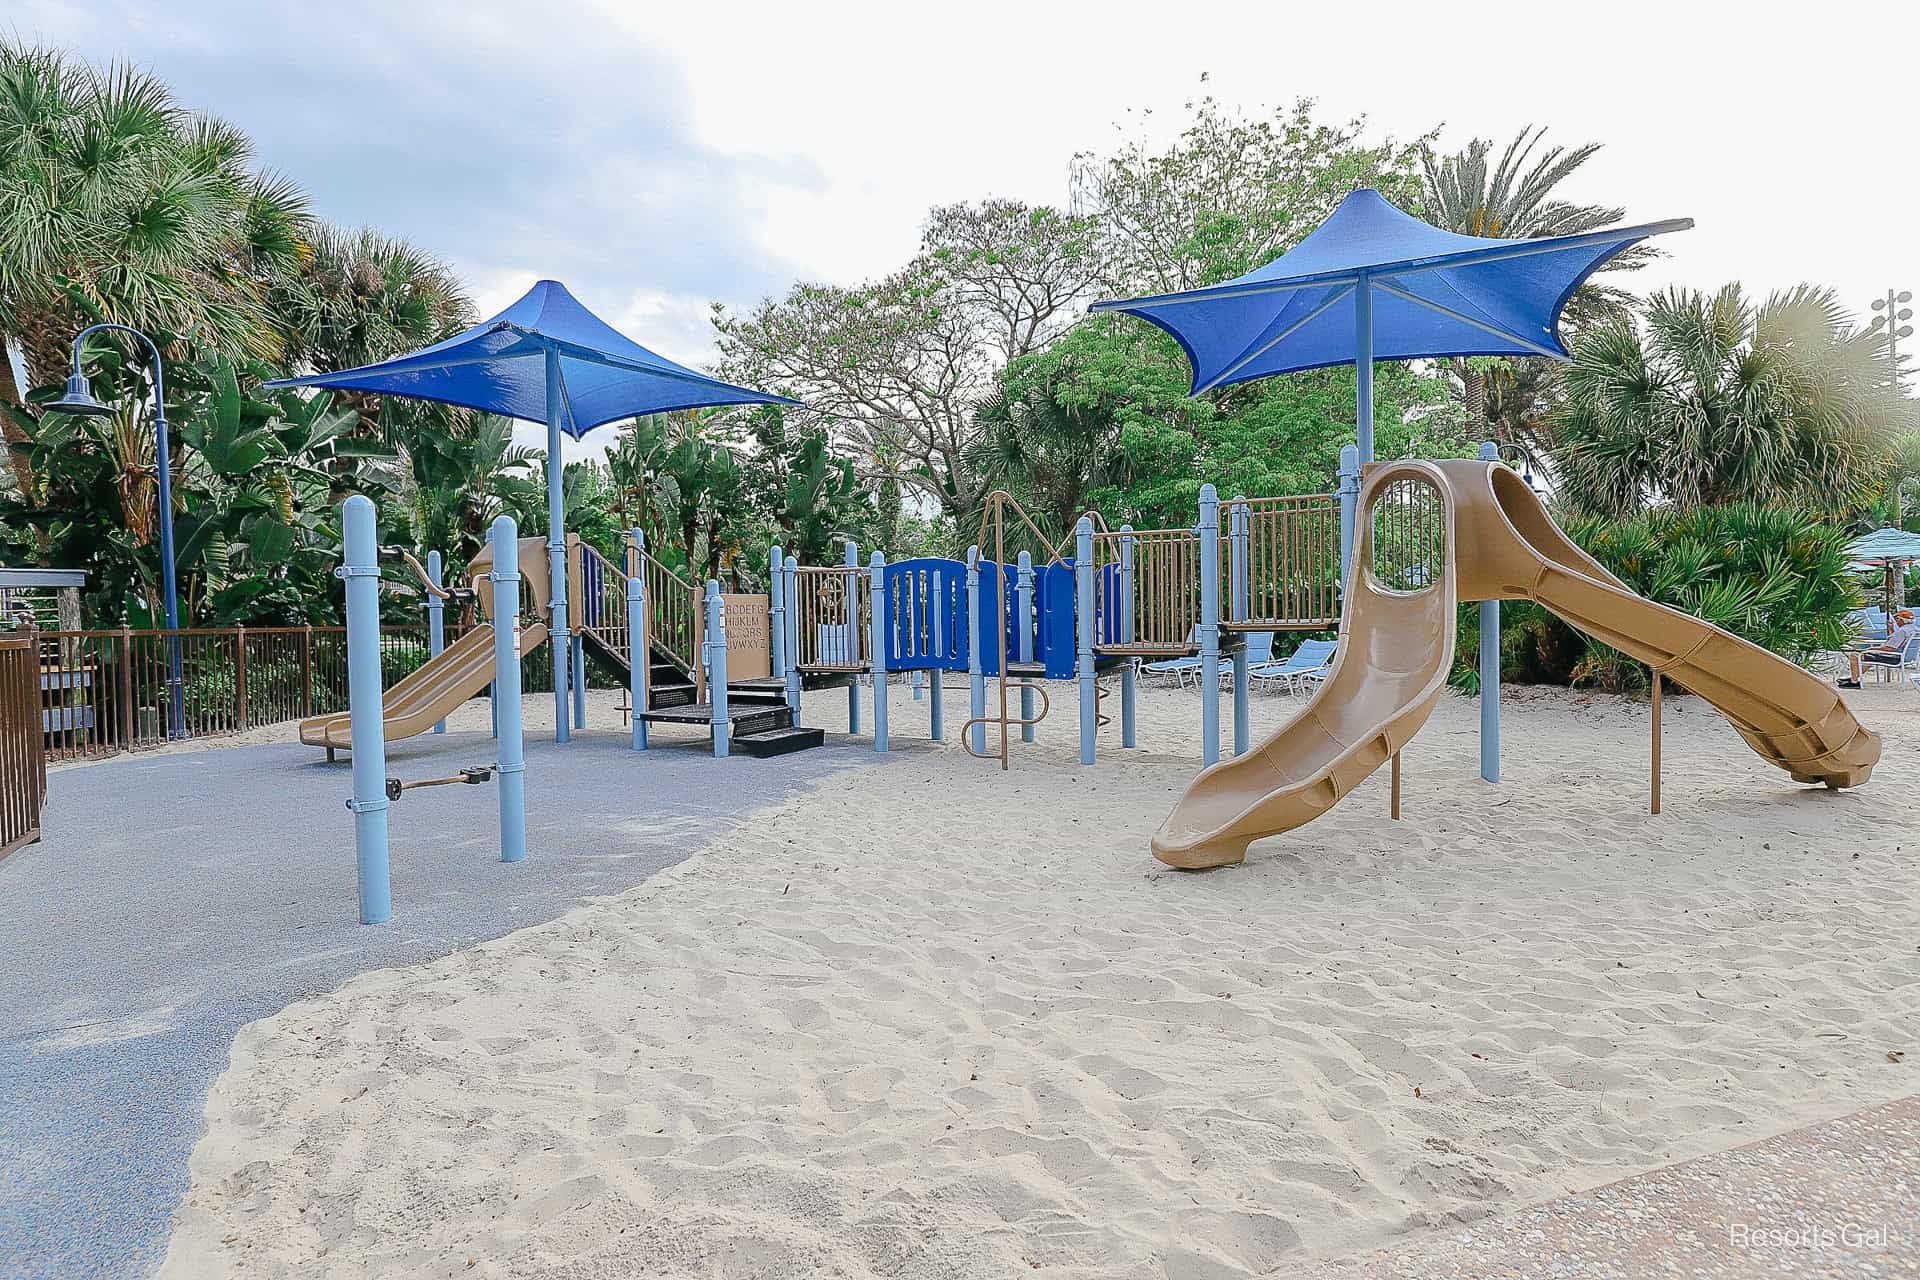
x: 1497, y: 542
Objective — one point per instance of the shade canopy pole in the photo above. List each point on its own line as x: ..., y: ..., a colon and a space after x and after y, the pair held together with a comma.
x: 1363, y: 364
x: 558, y: 642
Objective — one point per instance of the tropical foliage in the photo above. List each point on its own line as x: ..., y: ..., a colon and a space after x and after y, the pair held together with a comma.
x: 1714, y: 399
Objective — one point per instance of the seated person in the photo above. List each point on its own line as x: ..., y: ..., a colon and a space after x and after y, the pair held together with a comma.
x: 1883, y: 655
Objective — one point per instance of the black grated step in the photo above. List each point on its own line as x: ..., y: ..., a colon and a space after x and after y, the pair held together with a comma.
x: 661, y: 696
x: 745, y: 720
x: 777, y: 742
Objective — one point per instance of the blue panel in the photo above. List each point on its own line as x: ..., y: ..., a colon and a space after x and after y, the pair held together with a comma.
x: 1054, y: 601
x: 926, y: 615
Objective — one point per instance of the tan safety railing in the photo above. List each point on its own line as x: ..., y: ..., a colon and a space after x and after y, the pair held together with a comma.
x: 828, y: 619
x: 1164, y: 597
x: 23, y: 757
x: 673, y: 614
x: 1291, y: 552
x: 1409, y: 534
x: 600, y: 613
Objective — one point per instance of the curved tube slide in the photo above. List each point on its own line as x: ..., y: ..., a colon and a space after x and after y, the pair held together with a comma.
x: 1397, y: 647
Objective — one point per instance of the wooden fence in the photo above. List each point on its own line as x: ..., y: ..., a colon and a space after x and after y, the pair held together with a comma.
x: 104, y: 691
x: 23, y: 760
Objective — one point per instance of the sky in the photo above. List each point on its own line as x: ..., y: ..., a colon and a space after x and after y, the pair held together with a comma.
x: 661, y: 157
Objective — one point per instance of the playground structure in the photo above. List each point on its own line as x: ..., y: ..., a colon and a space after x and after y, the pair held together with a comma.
x: 1426, y: 536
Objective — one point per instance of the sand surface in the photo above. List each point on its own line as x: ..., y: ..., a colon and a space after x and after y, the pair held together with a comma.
x: 936, y: 1020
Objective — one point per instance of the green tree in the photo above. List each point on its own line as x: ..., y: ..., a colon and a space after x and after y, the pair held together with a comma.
x: 116, y: 203
x: 1714, y: 400
x: 1513, y: 198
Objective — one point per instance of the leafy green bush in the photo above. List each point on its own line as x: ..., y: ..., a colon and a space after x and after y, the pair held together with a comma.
x: 1774, y: 576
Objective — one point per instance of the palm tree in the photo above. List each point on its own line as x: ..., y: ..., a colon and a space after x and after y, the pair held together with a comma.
x: 1722, y: 401
x: 1045, y: 450
x: 1514, y: 200
x: 118, y: 204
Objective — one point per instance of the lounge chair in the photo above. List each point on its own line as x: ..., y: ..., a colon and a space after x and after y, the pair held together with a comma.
x: 1307, y: 665
x: 1259, y: 654
x: 1178, y: 668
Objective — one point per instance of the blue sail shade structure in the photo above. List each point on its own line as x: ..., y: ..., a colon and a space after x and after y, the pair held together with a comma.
x: 545, y: 359
x: 1374, y: 283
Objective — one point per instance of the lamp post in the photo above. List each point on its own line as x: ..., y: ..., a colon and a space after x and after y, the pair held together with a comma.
x: 80, y: 400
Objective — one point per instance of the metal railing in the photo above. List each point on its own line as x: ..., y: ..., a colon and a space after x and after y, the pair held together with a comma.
x: 23, y: 760
x: 1289, y: 551
x: 602, y: 607
x: 1146, y: 592
x: 673, y: 614
x: 1409, y: 534
x: 828, y: 619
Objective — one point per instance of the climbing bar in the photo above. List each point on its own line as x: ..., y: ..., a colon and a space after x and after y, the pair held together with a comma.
x: 472, y: 776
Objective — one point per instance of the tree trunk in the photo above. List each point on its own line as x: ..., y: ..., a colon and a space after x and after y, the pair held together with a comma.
x: 1474, y: 381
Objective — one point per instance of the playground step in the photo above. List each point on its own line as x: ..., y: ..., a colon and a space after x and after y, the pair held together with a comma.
x: 756, y: 695
x: 777, y: 742
x: 756, y: 720
x: 672, y: 693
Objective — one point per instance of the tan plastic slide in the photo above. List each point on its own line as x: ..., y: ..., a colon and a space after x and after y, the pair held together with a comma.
x: 416, y: 703
x: 1396, y: 648
x: 460, y: 671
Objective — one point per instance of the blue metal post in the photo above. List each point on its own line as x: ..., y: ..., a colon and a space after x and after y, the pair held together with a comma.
x: 1349, y: 504
x: 941, y: 586
x: 976, y: 662
x: 877, y: 661
x: 1128, y: 674
x: 789, y: 586
x: 1490, y: 667
x: 436, y: 622
x: 1363, y: 364
x: 360, y: 569
x: 506, y: 678
x: 853, y: 637
x: 716, y: 655
x: 1084, y: 637
x: 1023, y: 612
x: 1238, y: 606
x: 639, y: 660
x: 558, y: 641
x: 777, y: 611
x: 1209, y: 624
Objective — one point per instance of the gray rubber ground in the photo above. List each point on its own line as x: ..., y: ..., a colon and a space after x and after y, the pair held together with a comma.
x: 176, y: 898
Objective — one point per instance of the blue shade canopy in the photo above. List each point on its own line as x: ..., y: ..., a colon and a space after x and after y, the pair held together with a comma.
x: 500, y: 366
x: 1886, y: 544
x: 1432, y: 293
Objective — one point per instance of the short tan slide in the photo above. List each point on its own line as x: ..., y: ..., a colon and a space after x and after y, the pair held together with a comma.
x: 1497, y: 542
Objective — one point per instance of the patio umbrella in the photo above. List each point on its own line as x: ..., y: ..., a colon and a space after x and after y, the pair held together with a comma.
x: 545, y: 359
x: 1375, y: 283
x: 1889, y: 549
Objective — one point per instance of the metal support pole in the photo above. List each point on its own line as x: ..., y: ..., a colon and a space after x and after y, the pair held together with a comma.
x: 716, y: 655
x: 853, y: 637
x: 789, y: 588
x: 639, y: 661
x: 558, y: 640
x: 1083, y: 629
x: 436, y: 621
x: 877, y: 657
x: 1238, y: 531
x: 1209, y: 625
x: 1129, y: 674
x: 777, y: 610
x: 1349, y: 513
x: 1363, y: 364
x: 506, y: 678
x: 1023, y: 613
x: 942, y: 588
x: 360, y: 569
x: 1490, y: 667
x: 976, y: 662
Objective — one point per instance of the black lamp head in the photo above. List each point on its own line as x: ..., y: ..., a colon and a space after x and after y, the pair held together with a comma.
x: 79, y: 400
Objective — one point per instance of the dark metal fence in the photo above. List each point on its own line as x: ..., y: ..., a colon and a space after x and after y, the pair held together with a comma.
x: 104, y: 691
x: 23, y: 761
